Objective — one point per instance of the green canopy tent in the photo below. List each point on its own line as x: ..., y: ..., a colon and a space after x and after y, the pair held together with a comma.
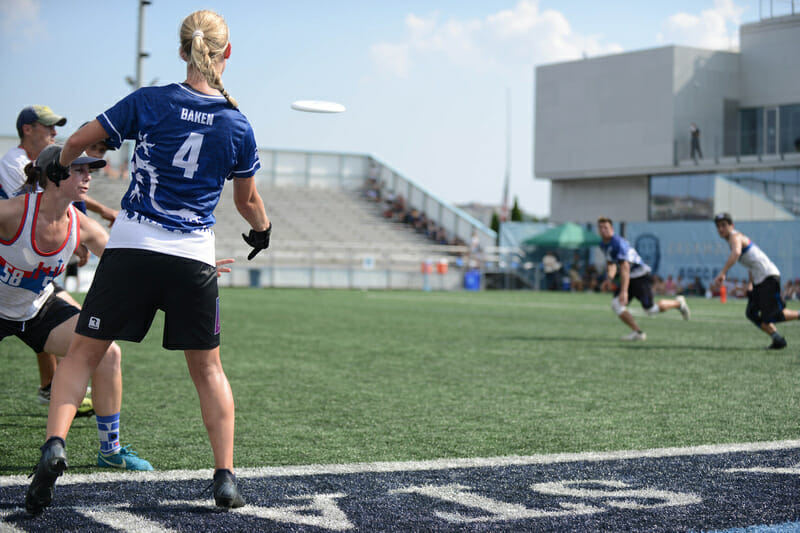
x: 567, y: 235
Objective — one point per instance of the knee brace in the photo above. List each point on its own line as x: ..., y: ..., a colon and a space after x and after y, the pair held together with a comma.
x: 617, y: 307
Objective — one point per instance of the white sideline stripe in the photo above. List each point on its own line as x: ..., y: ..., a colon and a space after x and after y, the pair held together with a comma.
x: 414, y: 466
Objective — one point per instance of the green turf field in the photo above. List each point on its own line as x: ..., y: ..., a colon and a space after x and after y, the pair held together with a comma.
x: 349, y: 376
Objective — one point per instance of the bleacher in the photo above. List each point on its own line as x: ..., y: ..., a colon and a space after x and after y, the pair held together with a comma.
x: 306, y: 219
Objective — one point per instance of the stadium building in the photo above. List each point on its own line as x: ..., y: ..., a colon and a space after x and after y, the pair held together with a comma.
x: 612, y: 134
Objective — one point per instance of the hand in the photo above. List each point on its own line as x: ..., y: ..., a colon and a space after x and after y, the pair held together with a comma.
x: 220, y: 268
x: 110, y: 215
x: 720, y: 279
x: 55, y: 172
x: 83, y: 254
x: 623, y: 297
x: 259, y: 240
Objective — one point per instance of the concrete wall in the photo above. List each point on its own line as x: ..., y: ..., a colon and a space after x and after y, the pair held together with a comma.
x: 745, y: 204
x: 612, y: 112
x: 702, y: 81
x: 770, y: 62
x: 621, y: 199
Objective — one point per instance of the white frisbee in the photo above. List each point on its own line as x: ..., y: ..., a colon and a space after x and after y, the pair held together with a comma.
x: 317, y: 106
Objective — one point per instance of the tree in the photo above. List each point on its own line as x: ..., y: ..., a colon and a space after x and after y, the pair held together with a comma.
x: 516, y: 212
x: 495, y: 224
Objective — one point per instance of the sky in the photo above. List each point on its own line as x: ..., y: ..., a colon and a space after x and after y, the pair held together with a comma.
x: 428, y: 85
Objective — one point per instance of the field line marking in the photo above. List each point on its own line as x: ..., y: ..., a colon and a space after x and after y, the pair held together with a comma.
x: 415, y: 466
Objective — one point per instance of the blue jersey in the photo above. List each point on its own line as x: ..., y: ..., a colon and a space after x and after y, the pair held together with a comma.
x: 618, y: 249
x: 187, y: 145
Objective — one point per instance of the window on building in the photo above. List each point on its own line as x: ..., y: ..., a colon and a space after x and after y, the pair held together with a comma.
x: 751, y: 121
x: 682, y: 197
x: 789, y: 128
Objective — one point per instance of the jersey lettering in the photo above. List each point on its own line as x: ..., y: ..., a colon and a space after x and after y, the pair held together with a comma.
x: 196, y: 116
x: 187, y: 155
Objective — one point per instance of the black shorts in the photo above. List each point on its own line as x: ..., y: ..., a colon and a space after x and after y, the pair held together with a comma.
x: 34, y: 332
x: 130, y: 285
x: 765, y: 303
x: 640, y: 288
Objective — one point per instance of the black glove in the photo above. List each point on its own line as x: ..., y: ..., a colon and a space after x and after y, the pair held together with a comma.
x: 259, y: 240
x: 55, y: 172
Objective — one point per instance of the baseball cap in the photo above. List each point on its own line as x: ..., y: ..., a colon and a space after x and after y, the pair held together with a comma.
x: 105, y: 141
x: 719, y: 217
x: 38, y: 113
x: 53, y: 152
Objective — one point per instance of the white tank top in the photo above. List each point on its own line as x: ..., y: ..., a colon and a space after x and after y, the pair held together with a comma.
x: 757, y: 262
x: 25, y: 271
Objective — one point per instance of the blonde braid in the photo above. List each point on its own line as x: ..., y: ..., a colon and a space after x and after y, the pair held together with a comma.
x: 204, y: 37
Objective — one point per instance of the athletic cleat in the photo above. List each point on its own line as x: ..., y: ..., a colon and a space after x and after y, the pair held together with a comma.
x: 226, y: 494
x: 86, y: 408
x: 635, y: 336
x: 684, y: 308
x: 125, y: 459
x: 777, y: 344
x: 44, y: 395
x: 52, y: 464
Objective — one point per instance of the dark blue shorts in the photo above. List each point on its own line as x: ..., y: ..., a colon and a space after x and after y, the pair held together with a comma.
x: 34, y: 332
x: 130, y: 285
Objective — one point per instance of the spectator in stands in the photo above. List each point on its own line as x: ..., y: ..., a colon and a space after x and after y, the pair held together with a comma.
x: 166, y: 244
x: 634, y: 281
x: 696, y: 288
x: 680, y: 286
x: 788, y: 291
x: 575, y: 278
x: 669, y: 286
x: 658, y: 285
x: 552, y: 267
x: 590, y: 279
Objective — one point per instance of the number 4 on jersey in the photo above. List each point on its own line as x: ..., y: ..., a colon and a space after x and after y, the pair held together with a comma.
x: 188, y: 154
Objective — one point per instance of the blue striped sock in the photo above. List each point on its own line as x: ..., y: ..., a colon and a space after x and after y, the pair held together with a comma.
x: 108, y: 430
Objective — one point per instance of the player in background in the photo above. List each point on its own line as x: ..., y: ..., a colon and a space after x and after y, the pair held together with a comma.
x: 765, y: 306
x: 190, y: 137
x: 38, y: 233
x: 36, y: 127
x: 634, y: 281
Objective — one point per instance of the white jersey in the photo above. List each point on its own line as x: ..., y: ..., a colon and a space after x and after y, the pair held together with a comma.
x: 12, y: 173
x: 757, y: 262
x: 26, y: 271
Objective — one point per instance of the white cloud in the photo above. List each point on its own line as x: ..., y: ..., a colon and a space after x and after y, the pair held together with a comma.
x: 20, y: 19
x: 508, y: 39
x: 716, y: 28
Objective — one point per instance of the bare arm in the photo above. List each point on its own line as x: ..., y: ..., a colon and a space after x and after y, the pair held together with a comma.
x: 105, y: 212
x: 91, y: 133
x: 93, y: 236
x: 735, y: 242
x: 611, y: 271
x: 11, y: 216
x: 624, y: 281
x: 249, y: 204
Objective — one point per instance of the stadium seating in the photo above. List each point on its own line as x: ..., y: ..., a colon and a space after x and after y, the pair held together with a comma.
x: 328, y: 220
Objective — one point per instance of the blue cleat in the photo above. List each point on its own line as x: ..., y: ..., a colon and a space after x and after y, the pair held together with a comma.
x: 126, y: 459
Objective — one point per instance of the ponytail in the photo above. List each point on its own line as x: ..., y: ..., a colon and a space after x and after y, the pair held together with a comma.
x: 204, y: 38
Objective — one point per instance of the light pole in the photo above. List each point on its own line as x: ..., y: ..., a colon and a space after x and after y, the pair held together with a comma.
x: 136, y: 82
